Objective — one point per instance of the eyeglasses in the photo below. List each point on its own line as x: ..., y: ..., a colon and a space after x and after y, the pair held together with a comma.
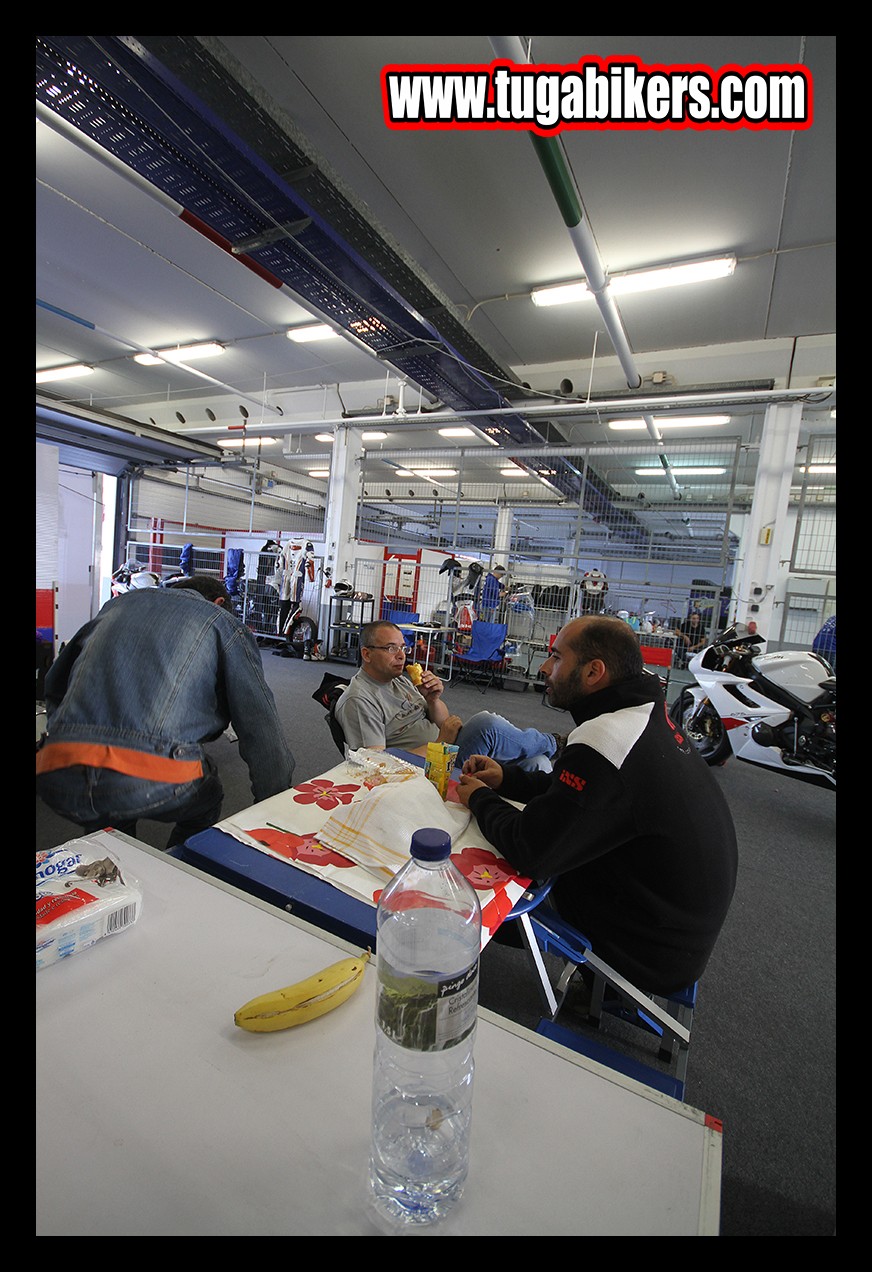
x: 389, y: 649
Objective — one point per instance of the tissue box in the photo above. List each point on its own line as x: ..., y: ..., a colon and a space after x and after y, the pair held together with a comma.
x: 81, y: 896
x: 439, y: 763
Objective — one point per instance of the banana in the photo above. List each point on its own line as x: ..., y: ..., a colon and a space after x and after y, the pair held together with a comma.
x: 305, y: 1000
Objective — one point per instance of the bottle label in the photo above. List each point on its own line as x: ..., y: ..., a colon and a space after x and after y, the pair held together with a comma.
x: 427, y: 1015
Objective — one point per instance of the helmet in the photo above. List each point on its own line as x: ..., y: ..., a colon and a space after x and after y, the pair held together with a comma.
x: 144, y: 578
x: 343, y: 588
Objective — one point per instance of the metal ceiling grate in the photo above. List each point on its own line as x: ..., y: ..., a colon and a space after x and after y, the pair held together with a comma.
x: 164, y: 106
x: 110, y: 88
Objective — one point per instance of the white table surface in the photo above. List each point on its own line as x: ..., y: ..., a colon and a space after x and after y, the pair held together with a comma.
x: 157, y: 1116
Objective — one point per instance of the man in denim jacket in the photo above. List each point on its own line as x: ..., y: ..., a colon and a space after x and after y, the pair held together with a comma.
x: 131, y: 699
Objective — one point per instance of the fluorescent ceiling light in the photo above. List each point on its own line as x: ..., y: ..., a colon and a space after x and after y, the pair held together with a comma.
x: 561, y: 294
x: 71, y: 372
x: 317, y: 331
x: 373, y: 437
x: 426, y: 473
x: 181, y: 353
x: 667, y: 421
x: 324, y: 437
x: 680, y: 472
x: 818, y: 468
x: 466, y: 431
x: 229, y: 443
x: 639, y: 280
x: 319, y: 472
x: 513, y: 472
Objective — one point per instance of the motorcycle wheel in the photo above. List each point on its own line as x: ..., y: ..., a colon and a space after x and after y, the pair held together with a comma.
x: 303, y: 635
x: 706, y: 732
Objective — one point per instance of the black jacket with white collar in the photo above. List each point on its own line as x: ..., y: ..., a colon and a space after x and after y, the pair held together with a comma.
x: 634, y: 825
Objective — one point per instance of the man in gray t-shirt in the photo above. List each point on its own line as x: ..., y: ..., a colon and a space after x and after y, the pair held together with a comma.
x: 382, y: 708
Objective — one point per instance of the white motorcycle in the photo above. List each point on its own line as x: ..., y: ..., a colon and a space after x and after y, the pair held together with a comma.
x: 777, y: 711
x: 131, y: 576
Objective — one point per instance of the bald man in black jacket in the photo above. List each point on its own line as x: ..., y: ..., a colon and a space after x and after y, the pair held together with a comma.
x: 631, y: 822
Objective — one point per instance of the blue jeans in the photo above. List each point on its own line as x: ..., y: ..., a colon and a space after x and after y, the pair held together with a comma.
x: 95, y: 798
x: 489, y: 734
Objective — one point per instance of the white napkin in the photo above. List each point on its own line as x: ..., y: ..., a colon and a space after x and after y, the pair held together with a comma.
x: 375, y: 831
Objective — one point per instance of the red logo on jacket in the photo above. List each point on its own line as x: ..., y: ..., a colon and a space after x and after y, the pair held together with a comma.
x: 678, y: 736
x: 572, y: 779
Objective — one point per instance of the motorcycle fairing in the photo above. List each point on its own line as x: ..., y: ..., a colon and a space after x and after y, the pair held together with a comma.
x: 800, y: 675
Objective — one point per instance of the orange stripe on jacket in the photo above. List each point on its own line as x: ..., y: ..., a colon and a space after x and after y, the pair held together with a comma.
x: 155, y: 768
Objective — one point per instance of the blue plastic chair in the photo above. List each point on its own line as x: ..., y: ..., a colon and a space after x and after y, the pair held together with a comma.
x: 483, y: 661
x: 668, y: 1017
x: 403, y: 618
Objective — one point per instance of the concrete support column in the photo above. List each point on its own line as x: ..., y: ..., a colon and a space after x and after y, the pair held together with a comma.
x: 343, y: 489
x: 503, y: 536
x: 768, y: 531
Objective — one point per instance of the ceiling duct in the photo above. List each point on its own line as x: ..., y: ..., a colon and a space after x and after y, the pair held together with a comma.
x: 110, y: 443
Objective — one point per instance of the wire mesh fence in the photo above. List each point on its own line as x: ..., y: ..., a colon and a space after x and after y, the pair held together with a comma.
x: 617, y: 500
x: 637, y: 528
x: 814, y: 543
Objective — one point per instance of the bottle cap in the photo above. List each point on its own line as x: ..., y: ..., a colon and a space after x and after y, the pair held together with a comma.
x: 431, y: 844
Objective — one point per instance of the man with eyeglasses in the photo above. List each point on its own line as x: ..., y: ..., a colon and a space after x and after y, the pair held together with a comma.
x: 381, y: 708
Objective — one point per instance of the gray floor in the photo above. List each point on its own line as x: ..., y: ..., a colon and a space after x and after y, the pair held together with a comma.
x: 762, y: 1057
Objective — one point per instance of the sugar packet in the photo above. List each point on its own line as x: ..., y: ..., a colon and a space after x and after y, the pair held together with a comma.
x: 81, y: 897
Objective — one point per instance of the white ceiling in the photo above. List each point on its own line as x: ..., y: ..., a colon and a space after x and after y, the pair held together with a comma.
x: 471, y: 214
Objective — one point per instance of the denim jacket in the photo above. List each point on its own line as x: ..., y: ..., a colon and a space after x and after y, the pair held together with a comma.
x: 163, y: 671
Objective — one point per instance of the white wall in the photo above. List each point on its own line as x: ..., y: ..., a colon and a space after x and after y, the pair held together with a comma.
x: 46, y: 516
x: 70, y: 527
x: 79, y: 533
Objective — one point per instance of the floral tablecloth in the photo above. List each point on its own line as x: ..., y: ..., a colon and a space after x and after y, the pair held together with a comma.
x: 286, y: 827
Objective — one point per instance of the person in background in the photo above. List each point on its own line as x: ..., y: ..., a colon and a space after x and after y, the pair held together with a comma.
x: 631, y: 824
x: 492, y: 593
x: 381, y: 708
x: 693, y: 634
x: 134, y: 695
x: 594, y: 590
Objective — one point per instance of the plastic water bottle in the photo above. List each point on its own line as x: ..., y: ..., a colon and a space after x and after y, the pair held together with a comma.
x: 428, y: 927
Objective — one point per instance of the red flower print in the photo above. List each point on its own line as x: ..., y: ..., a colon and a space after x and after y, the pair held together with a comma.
x: 298, y: 847
x: 317, y: 855
x: 325, y: 793
x: 496, y: 910
x: 484, y: 868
